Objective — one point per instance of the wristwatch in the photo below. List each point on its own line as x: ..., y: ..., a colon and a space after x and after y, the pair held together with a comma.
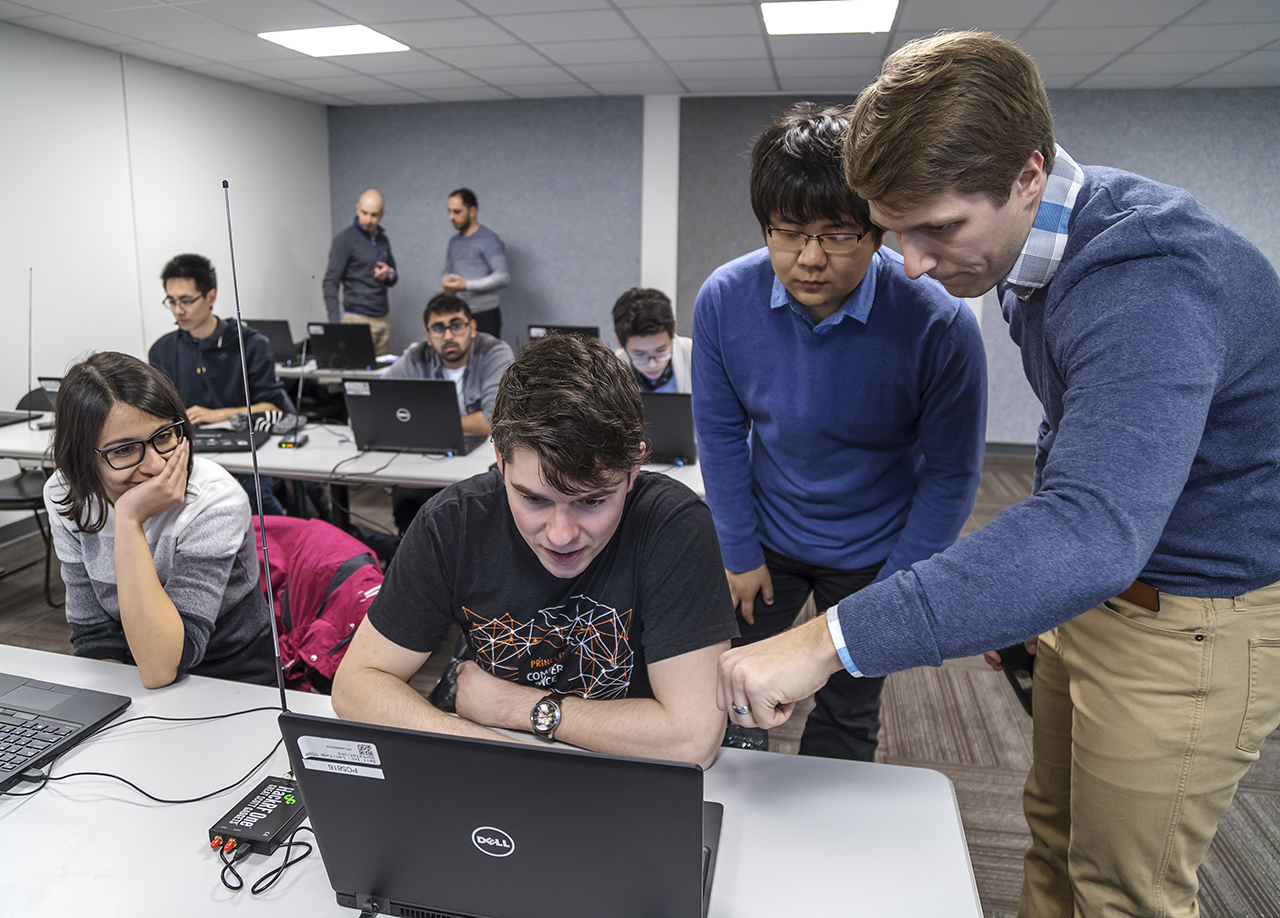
x: 545, y: 716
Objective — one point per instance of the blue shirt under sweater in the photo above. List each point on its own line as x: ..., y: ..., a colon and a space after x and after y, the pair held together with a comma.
x: 1155, y: 351
x: 842, y: 444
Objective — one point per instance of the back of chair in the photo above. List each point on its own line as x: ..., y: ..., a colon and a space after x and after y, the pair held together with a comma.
x: 36, y: 400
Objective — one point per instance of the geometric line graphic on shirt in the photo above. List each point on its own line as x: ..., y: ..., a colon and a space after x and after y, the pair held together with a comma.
x: 583, y: 647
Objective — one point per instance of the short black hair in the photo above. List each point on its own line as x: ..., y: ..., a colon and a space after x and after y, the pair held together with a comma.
x: 86, y: 396
x: 468, y: 197
x: 576, y: 405
x: 445, y: 304
x: 196, y: 268
x: 797, y: 173
x: 642, y: 311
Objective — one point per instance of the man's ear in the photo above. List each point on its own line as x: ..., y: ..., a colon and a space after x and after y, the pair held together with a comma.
x: 498, y: 457
x: 1029, y: 184
x: 212, y: 296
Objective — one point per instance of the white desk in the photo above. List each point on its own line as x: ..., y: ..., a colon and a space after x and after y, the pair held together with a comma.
x: 801, y: 836
x: 330, y: 455
x: 327, y: 376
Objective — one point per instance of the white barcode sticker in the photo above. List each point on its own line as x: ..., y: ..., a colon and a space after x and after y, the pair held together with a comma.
x: 356, y: 387
x: 342, y: 757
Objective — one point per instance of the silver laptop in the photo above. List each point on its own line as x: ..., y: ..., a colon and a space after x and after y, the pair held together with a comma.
x: 420, y: 824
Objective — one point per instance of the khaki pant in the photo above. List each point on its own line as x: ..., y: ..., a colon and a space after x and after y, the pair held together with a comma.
x: 1145, y: 722
x: 379, y: 327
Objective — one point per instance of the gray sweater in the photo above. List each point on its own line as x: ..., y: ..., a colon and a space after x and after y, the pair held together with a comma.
x: 481, y: 260
x: 205, y: 560
x: 489, y: 359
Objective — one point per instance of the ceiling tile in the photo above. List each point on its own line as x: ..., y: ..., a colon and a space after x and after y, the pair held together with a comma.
x: 11, y: 11
x: 165, y: 55
x: 506, y: 7
x: 1072, y: 64
x: 81, y: 6
x: 1220, y: 11
x: 296, y: 68
x: 490, y: 56
x: 826, y: 85
x: 710, y: 48
x: 1082, y: 41
x: 1237, y: 38
x: 640, y: 70
x: 232, y: 49
x: 1257, y: 62
x: 758, y: 84
x: 596, y: 52
x: 393, y: 62
x: 1063, y: 80
x: 473, y: 94
x: 864, y: 68
x: 511, y: 76
x: 551, y: 90
x: 828, y: 45
x: 639, y: 87
x: 447, y: 33
x: 155, y: 23
x: 724, y: 70
x: 258, y: 16
x: 432, y: 80
x: 1221, y: 80
x: 295, y: 91
x: 1095, y: 13
x: 77, y: 31
x: 351, y: 82
x: 228, y: 72
x: 587, y: 25
x: 632, y: 4
x: 685, y: 21
x: 901, y: 37
x: 1135, y: 80
x: 385, y: 97
x: 1195, y: 63
x: 994, y: 15
x: 370, y: 12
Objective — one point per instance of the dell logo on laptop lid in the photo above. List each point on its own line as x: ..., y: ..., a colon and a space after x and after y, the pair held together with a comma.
x: 402, y: 414
x: 493, y: 842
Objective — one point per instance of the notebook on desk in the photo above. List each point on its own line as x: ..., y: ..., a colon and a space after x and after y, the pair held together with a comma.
x: 407, y: 415
x: 336, y: 346
x: 41, y: 720
x: 425, y: 824
x: 668, y: 427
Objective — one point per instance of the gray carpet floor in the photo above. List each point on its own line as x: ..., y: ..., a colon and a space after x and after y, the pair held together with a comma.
x: 961, y: 719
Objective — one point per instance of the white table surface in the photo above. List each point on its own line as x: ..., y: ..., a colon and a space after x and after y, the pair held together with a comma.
x: 802, y: 836
x: 330, y: 455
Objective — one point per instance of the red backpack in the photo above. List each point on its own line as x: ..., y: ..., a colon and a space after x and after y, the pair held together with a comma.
x: 323, y: 580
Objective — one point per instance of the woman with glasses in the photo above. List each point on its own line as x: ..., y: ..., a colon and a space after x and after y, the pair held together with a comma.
x: 156, y: 549
x: 646, y: 329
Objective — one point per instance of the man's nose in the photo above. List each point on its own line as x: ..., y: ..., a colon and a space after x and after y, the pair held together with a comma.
x: 812, y: 253
x: 916, y: 260
x: 562, y: 529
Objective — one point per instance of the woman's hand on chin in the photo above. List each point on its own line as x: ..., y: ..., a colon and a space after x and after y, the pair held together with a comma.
x: 159, y: 493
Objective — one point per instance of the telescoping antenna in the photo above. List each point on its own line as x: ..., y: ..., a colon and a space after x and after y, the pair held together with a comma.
x: 253, y: 452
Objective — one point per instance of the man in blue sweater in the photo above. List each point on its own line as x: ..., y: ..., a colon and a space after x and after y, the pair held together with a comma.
x: 1147, y: 558
x: 475, y: 267
x: 840, y: 409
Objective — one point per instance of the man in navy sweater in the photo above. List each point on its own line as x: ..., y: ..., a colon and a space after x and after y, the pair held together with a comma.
x: 362, y: 266
x: 840, y: 410
x: 1148, y: 556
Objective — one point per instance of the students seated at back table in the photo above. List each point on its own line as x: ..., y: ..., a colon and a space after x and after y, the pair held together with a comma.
x: 453, y: 349
x: 590, y: 593
x: 646, y: 329
x: 202, y: 357
x: 156, y: 549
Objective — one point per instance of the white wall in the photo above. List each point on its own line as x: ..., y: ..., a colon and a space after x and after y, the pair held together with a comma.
x: 111, y: 165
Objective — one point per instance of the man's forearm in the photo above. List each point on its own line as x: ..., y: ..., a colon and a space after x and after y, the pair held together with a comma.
x: 640, y: 727
x: 375, y: 697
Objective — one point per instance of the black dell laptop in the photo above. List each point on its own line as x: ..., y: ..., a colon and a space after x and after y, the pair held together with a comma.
x: 41, y: 720
x: 668, y: 427
x: 279, y: 336
x: 422, y: 824
x: 407, y: 415
x: 341, y: 347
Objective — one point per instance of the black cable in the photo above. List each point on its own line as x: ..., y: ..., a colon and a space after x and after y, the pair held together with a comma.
x: 268, y: 879
x: 228, y: 864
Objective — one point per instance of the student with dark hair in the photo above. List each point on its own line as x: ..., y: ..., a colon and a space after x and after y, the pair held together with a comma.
x: 590, y: 593
x: 646, y: 329
x: 840, y: 410
x: 475, y: 266
x: 202, y: 357
x: 1148, y: 557
x: 156, y: 548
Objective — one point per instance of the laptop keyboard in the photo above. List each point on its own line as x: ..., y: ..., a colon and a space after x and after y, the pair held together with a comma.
x: 23, y: 737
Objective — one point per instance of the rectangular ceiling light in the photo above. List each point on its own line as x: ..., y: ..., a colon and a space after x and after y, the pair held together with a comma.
x: 335, y: 41
x: 815, y: 17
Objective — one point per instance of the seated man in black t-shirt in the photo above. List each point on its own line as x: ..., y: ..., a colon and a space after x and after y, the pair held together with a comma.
x: 591, y: 594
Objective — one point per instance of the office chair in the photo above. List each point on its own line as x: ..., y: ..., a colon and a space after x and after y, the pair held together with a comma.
x: 36, y: 400
x: 25, y: 491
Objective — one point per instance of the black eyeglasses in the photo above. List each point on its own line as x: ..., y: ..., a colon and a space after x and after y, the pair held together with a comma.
x: 126, y: 455
x: 186, y: 302
x: 456, y: 326
x: 832, y: 243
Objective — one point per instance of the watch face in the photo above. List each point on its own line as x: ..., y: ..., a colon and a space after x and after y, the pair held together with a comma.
x: 546, y: 715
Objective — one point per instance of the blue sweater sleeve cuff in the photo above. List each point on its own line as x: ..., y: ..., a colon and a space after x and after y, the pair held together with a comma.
x: 837, y: 637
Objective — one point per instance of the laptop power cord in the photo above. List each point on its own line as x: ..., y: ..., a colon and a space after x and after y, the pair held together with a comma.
x: 267, y: 818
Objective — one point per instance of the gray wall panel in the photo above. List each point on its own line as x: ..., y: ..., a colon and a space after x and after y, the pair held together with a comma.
x: 557, y: 179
